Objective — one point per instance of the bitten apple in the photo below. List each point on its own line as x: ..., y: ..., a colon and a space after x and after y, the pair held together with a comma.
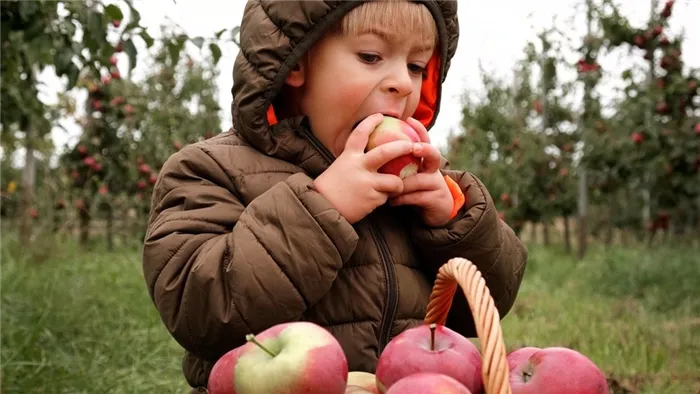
x: 365, y: 380
x: 555, y: 370
x: 392, y: 129
x: 297, y: 357
x: 428, y: 383
x: 430, y: 348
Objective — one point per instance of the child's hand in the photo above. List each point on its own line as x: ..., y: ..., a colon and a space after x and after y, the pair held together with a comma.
x: 352, y: 184
x: 427, y: 189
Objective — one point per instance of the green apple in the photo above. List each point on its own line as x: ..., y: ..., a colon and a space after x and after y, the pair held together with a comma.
x: 297, y: 357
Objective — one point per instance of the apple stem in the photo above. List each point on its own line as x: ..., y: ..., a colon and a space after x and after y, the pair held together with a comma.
x: 432, y: 336
x: 251, y: 338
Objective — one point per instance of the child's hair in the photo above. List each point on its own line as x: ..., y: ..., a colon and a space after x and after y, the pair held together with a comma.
x: 402, y: 18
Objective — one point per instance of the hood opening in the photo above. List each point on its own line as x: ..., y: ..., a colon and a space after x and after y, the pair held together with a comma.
x: 425, y: 112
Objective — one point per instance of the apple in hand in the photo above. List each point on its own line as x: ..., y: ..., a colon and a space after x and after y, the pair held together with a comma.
x: 392, y: 129
x: 428, y: 383
x: 555, y: 370
x: 365, y: 380
x: 297, y: 357
x: 430, y: 348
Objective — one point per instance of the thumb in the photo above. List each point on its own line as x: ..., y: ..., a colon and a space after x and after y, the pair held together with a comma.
x: 359, y: 137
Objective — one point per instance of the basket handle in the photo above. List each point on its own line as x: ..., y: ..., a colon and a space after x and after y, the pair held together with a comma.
x: 494, y: 371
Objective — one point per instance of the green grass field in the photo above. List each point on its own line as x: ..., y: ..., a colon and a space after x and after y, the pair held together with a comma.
x: 83, y: 322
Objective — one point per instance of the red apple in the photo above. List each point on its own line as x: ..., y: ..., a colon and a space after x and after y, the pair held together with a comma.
x: 221, y: 375
x: 697, y: 128
x: 428, y: 383
x: 392, y: 129
x: 430, y: 348
x: 520, y: 356
x: 555, y: 370
x: 363, y: 380
x: 637, y: 137
x: 297, y: 357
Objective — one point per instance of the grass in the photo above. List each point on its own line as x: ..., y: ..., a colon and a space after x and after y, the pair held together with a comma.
x: 83, y: 322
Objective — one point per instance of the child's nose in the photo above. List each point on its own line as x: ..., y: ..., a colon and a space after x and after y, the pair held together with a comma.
x: 399, y: 81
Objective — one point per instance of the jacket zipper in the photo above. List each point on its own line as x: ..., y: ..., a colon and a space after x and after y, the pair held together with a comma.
x: 318, y: 145
x: 392, y: 291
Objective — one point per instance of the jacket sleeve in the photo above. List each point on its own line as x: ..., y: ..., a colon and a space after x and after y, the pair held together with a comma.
x: 477, y: 234
x: 217, y: 269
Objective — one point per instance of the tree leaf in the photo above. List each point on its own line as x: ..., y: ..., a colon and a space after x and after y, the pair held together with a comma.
x: 215, y: 52
x: 114, y: 12
x: 96, y: 29
x: 73, y: 75
x: 235, y: 36
x: 131, y: 52
x: 174, y: 51
x: 27, y: 11
x: 147, y: 38
x: 198, y: 41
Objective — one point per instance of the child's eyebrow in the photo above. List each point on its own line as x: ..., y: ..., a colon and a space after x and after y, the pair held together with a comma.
x: 391, y: 37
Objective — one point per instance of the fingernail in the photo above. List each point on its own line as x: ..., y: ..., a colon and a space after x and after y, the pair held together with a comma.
x: 417, y: 147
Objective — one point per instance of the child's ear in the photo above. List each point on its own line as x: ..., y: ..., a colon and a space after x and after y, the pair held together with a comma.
x: 297, y: 76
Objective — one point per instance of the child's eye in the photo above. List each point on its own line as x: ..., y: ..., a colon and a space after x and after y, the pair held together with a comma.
x: 416, y: 69
x: 368, y: 57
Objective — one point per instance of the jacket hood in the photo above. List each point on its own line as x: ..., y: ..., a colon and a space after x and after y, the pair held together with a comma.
x: 273, y: 37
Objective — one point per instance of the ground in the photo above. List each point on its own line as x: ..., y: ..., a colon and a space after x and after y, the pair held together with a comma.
x: 83, y: 322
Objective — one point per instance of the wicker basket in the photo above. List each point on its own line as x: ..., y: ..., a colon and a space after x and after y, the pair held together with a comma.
x: 462, y: 272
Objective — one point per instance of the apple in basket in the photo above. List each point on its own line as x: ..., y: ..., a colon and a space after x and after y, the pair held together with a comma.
x: 392, y: 129
x: 554, y: 370
x: 362, y: 382
x: 430, y: 348
x: 428, y: 383
x: 298, y: 357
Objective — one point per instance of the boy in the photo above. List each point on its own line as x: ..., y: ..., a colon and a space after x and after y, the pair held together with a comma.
x: 285, y: 218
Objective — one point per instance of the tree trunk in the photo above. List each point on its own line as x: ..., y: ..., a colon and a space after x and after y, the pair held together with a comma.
x: 545, y: 232
x: 609, y: 223
x: 110, y: 228
x: 567, y: 234
x: 84, y: 215
x: 28, y: 181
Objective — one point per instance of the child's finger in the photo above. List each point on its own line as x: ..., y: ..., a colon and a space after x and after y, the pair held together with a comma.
x: 419, y: 198
x: 420, y: 181
x: 430, y: 154
x: 389, y: 184
x: 382, y: 154
x: 420, y: 129
x: 357, y: 141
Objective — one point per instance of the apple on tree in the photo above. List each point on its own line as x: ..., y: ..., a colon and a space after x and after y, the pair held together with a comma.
x: 297, y: 357
x: 554, y: 370
x: 392, y: 129
x: 430, y: 348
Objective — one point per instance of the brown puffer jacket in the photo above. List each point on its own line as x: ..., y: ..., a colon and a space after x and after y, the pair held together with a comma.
x: 239, y: 240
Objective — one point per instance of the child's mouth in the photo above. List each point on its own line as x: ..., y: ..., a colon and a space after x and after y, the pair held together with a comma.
x: 360, y: 121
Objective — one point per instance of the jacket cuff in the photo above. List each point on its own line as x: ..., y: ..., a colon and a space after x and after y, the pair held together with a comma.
x: 457, y: 196
x: 338, y: 229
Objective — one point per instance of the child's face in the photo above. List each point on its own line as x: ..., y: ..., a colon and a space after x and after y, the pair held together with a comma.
x: 347, y: 78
